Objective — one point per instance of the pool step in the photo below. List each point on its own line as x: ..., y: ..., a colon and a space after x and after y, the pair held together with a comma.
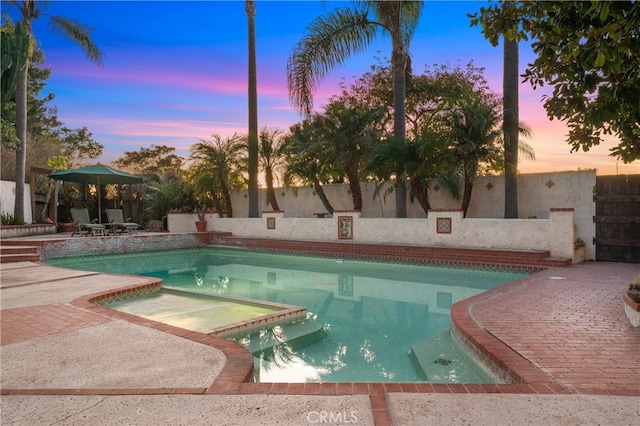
x: 442, y: 363
x: 295, y: 334
x: 18, y: 254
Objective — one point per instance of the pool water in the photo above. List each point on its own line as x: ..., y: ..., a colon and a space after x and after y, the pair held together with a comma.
x: 366, y: 321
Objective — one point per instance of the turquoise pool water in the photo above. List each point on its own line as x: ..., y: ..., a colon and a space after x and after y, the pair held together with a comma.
x: 366, y: 321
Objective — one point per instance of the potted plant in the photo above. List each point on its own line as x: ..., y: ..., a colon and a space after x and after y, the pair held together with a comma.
x: 631, y: 299
x: 201, y: 223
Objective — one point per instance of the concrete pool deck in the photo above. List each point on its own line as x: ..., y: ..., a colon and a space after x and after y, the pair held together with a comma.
x: 65, y: 360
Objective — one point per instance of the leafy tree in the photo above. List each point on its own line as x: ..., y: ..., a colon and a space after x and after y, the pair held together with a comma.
x: 79, y: 146
x: 272, y: 149
x: 73, y: 30
x: 155, y: 160
x: 589, y: 52
x: 334, y: 37
x: 223, y: 156
x: 253, y: 150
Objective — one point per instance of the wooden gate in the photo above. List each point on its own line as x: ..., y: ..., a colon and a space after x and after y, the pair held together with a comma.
x: 617, y: 218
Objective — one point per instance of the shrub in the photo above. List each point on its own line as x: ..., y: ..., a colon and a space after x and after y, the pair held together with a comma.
x: 9, y: 219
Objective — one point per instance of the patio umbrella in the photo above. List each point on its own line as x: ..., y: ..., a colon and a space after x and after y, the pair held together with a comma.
x: 98, y: 174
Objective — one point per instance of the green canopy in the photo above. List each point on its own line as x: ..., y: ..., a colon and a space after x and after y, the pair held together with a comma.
x: 98, y: 174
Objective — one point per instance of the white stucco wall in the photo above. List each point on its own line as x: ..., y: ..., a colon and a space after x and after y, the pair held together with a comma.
x: 8, y: 196
x: 555, y: 234
x: 538, y: 193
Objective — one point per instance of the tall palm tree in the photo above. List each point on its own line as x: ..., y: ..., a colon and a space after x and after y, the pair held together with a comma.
x: 272, y: 152
x: 510, y: 124
x: 71, y: 29
x: 223, y: 156
x: 334, y: 37
x: 250, y: 9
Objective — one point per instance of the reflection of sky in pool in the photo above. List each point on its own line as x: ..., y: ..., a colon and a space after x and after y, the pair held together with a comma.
x: 376, y: 322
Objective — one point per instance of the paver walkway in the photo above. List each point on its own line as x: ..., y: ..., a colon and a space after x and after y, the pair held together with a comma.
x: 570, y: 323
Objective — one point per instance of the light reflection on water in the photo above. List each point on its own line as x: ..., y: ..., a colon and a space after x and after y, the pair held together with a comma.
x: 368, y: 315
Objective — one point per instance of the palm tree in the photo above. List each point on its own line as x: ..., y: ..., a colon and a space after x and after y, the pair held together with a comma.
x: 250, y: 9
x: 224, y: 157
x: 304, y: 165
x: 348, y: 135
x: 334, y: 37
x: 475, y: 134
x: 510, y: 124
x: 392, y: 152
x: 71, y: 29
x: 272, y: 150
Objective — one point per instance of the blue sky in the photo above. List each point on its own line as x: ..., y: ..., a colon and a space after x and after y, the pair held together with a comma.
x: 176, y: 71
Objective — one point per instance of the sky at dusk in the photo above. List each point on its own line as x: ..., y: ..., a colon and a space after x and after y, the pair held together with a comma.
x: 176, y: 71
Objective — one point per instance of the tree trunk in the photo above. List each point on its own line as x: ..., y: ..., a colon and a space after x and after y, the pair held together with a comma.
x: 225, y: 194
x: 21, y: 129
x: 250, y: 9
x: 217, y: 205
x: 510, y: 128
x: 469, y: 173
x: 323, y: 197
x: 420, y: 192
x: 271, y: 194
x: 354, y: 186
x: 399, y: 126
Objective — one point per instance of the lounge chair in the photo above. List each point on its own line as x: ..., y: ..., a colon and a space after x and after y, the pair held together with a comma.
x: 118, y: 224
x: 83, y: 225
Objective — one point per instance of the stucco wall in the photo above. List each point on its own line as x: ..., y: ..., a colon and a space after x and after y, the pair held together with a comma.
x: 445, y: 228
x: 8, y: 196
x: 538, y: 193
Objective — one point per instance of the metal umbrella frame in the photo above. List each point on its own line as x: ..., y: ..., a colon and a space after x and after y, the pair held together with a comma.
x: 97, y: 174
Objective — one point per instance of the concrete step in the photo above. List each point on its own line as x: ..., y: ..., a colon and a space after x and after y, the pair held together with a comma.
x: 18, y: 254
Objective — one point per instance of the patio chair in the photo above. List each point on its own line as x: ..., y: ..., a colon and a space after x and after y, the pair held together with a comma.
x: 118, y: 224
x: 83, y: 225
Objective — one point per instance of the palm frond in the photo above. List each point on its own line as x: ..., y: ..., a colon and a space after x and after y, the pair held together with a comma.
x: 524, y: 148
x: 331, y: 39
x: 79, y: 33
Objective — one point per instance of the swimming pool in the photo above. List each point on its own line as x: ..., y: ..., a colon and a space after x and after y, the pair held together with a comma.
x: 366, y: 321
